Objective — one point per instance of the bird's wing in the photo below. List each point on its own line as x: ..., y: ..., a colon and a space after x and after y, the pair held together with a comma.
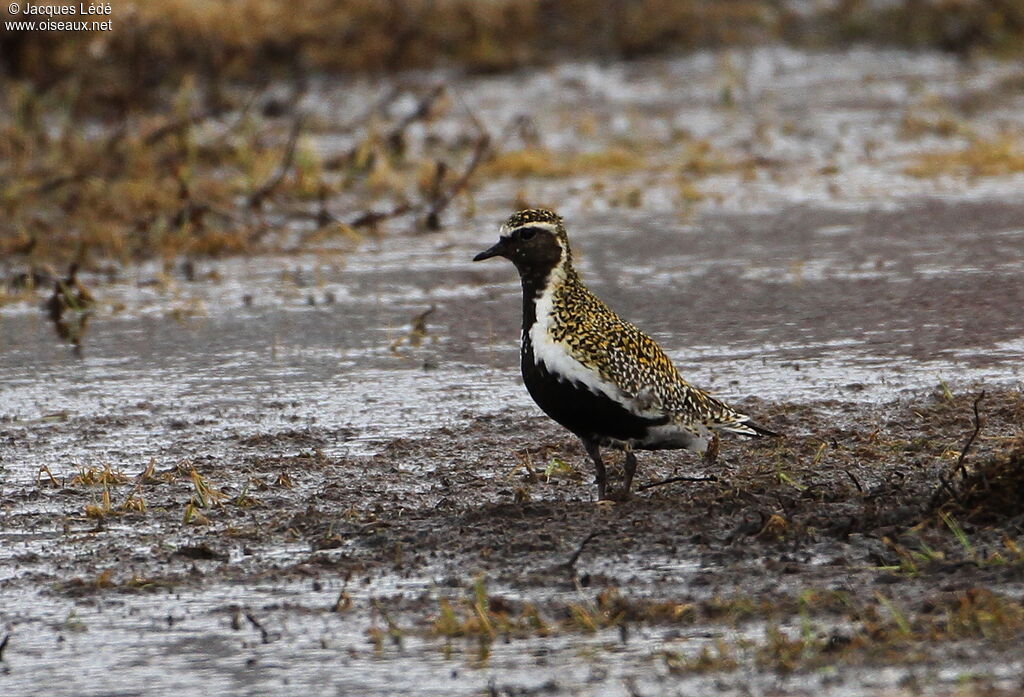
x: 626, y: 360
x: 646, y: 377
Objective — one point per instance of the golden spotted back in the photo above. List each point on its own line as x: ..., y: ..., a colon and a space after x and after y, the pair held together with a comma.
x: 625, y: 356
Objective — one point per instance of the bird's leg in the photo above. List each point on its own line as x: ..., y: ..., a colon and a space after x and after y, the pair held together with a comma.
x: 602, y: 476
x: 630, y: 466
x: 711, y: 454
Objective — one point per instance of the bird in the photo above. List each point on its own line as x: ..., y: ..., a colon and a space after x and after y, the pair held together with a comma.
x: 593, y: 372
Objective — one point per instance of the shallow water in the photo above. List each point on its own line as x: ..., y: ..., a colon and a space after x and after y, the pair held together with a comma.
x: 859, y: 287
x: 904, y: 311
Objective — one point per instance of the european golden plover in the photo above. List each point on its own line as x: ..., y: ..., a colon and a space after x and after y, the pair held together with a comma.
x: 595, y: 373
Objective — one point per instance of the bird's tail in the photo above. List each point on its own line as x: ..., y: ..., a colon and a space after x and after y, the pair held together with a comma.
x: 743, y: 426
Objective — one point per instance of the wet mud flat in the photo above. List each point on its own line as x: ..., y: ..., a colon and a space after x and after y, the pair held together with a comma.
x: 252, y: 497
x: 319, y: 471
x: 474, y: 560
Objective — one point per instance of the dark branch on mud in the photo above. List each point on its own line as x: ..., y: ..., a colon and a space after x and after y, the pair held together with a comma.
x: 3, y: 645
x: 438, y: 198
x: 264, y: 634
x: 257, y: 197
x: 673, y: 480
x: 178, y: 125
x: 372, y: 218
x: 396, y: 137
x: 946, y: 484
x: 441, y: 201
x: 970, y: 440
x: 344, y: 600
x: 856, y: 482
x: 112, y: 162
x: 571, y: 563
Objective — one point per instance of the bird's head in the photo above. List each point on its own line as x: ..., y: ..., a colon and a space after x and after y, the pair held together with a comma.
x: 534, y: 240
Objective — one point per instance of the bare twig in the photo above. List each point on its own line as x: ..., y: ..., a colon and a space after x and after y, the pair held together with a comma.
x: 269, y: 186
x: 57, y: 182
x: 477, y: 123
x: 372, y: 218
x: 396, y: 135
x: 112, y: 162
x: 672, y: 480
x: 856, y: 483
x: 944, y: 480
x: 440, y: 202
x: 422, y: 111
x: 240, y: 117
x: 264, y: 634
x: 172, y: 127
x: 344, y: 601
x: 571, y: 563
x: 970, y: 440
x: 3, y: 645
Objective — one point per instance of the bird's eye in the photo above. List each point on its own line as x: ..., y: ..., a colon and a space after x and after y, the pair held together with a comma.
x: 528, y: 233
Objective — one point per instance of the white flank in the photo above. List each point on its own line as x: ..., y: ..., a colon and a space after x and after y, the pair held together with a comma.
x: 554, y: 355
x: 678, y: 436
x: 558, y: 360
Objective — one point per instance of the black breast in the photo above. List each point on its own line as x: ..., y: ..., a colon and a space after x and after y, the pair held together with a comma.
x: 585, y: 413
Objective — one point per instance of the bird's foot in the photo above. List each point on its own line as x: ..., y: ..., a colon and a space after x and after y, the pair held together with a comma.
x: 604, y: 497
x: 618, y: 496
x: 613, y: 496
